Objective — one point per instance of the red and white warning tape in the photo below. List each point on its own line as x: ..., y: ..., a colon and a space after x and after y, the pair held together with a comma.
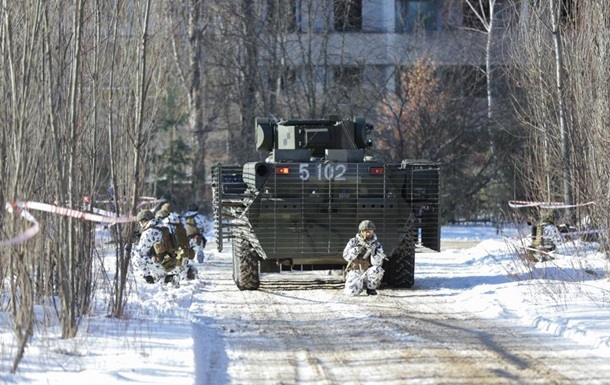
x: 584, y: 232
x: 143, y: 201
x: 69, y: 212
x: 545, y: 205
x: 29, y: 233
x: 20, y: 208
x: 149, y: 201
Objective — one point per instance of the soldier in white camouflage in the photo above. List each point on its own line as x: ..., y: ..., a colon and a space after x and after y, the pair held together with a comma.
x: 144, y: 252
x: 196, y: 229
x: 176, y: 225
x: 365, y: 256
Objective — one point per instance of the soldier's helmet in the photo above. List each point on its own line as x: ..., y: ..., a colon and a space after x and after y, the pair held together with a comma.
x: 145, y: 215
x: 161, y: 214
x: 167, y: 207
x: 366, y: 225
x: 193, y: 207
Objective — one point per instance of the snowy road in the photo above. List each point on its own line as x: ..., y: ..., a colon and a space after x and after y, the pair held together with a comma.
x: 300, y: 328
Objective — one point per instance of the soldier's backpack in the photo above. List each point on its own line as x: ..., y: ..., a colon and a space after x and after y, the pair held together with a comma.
x: 181, y: 242
x: 192, y: 231
x: 165, y: 251
x: 191, y: 226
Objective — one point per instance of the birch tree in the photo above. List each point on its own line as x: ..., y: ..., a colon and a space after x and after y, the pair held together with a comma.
x: 563, y: 101
x: 485, y: 12
x: 16, y: 49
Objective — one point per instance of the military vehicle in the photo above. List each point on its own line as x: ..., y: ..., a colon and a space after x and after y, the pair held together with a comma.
x: 298, y: 208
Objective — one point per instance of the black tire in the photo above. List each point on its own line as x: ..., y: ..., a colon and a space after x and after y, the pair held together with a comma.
x: 245, y: 267
x: 402, y: 263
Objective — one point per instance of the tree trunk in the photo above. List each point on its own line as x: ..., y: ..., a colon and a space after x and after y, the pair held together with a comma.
x: 563, y: 125
x: 195, y: 100
x: 248, y: 104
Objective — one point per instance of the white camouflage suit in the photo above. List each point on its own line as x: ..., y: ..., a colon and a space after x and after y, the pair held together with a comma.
x: 357, y: 274
x: 144, y: 251
x: 201, y: 230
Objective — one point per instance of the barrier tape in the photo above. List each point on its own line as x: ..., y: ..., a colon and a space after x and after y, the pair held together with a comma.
x: 583, y: 232
x: 149, y: 201
x: 143, y: 201
x: 71, y: 212
x: 560, y: 234
x: 29, y: 233
x: 545, y: 205
x: 20, y: 208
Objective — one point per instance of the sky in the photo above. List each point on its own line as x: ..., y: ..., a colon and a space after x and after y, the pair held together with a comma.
x: 156, y: 343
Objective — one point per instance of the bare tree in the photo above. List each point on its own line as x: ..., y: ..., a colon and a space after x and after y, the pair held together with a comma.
x: 422, y: 120
x: 188, y: 21
x: 139, y: 131
x: 485, y: 12
x: 555, y: 10
x: 587, y: 95
x: 559, y: 71
x: 55, y: 151
x: 17, y: 168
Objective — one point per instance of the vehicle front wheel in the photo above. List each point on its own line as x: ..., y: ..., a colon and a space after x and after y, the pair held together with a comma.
x: 401, y: 266
x: 245, y: 266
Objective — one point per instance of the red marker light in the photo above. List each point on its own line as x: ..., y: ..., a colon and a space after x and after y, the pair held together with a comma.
x: 282, y: 170
x: 376, y: 170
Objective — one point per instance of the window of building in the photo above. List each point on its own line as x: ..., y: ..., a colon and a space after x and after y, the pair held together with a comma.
x: 418, y: 15
x: 347, y: 77
x: 467, y: 81
x: 280, y: 78
x: 348, y: 15
x: 471, y: 20
x: 288, y: 78
x: 475, y: 81
x: 401, y: 75
x: 569, y: 12
x: 282, y: 15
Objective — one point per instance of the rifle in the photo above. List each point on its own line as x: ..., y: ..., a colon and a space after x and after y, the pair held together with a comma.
x: 366, y: 250
x: 137, y: 233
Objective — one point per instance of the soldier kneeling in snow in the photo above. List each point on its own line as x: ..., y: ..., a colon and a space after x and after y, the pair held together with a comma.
x: 365, y: 256
x: 154, y: 257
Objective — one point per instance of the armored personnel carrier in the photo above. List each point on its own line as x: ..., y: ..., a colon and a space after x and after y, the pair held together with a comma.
x: 298, y: 208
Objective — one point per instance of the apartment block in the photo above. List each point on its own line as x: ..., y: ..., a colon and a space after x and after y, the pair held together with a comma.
x: 349, y: 38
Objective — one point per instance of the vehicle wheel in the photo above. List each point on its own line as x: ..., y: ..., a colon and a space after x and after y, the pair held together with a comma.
x: 245, y: 266
x: 402, y: 263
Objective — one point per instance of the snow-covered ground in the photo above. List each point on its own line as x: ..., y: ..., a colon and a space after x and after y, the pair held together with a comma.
x: 567, y: 296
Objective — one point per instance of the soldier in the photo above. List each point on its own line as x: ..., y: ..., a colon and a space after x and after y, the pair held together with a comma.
x: 153, y: 257
x: 365, y: 256
x: 550, y: 233
x: 545, y: 237
x: 195, y: 230
x: 177, y: 230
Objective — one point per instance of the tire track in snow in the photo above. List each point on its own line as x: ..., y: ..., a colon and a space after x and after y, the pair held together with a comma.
x: 301, y: 329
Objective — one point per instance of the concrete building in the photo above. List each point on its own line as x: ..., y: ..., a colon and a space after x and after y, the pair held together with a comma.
x: 355, y: 36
